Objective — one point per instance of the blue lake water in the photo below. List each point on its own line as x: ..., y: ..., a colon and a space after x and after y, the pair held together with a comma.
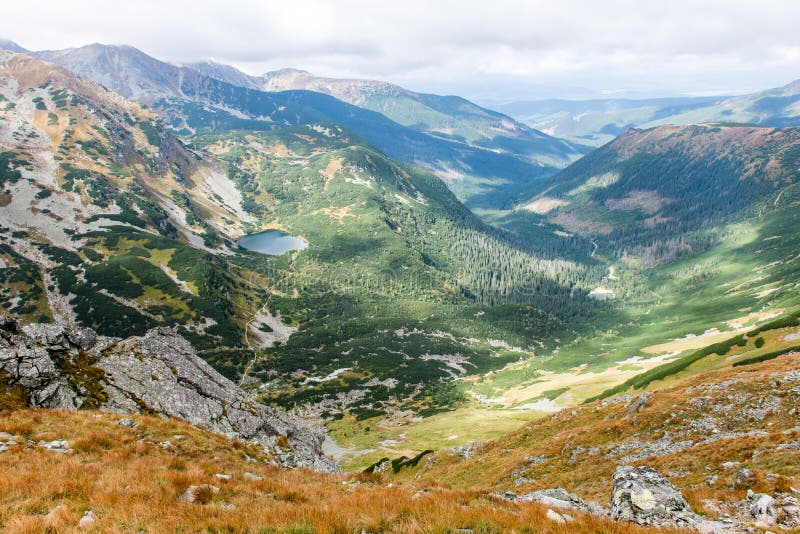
x: 271, y: 242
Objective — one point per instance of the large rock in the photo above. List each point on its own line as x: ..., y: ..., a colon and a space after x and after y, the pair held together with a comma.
x: 641, y: 495
x: 762, y: 508
x: 158, y: 373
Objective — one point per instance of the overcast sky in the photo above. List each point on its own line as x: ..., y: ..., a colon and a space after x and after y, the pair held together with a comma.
x: 486, y: 50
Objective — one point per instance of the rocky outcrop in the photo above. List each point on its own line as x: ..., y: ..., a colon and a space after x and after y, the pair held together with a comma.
x: 157, y: 373
x: 643, y: 496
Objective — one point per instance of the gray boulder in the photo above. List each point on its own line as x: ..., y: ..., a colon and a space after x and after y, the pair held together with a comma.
x: 201, y: 494
x: 762, y: 508
x: 159, y: 373
x: 788, y: 511
x: 642, y: 496
x: 561, y: 498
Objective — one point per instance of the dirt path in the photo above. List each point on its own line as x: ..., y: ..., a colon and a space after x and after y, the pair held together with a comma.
x: 247, y: 342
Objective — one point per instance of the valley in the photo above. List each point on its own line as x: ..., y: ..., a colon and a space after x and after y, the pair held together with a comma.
x: 434, y: 294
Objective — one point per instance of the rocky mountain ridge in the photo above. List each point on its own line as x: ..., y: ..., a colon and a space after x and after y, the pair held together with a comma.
x: 158, y: 373
x: 475, y: 150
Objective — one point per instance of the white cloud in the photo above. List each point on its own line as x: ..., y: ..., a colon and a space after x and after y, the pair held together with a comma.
x: 502, y: 48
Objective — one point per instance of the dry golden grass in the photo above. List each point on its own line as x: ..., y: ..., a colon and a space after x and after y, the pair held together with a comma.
x: 132, y: 483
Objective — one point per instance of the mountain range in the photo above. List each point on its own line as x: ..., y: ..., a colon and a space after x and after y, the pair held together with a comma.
x: 486, y: 157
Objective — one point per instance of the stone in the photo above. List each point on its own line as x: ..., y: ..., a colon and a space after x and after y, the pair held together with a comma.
x: 555, y: 517
x: 642, y: 496
x: 127, y: 422
x: 60, y: 446
x: 561, y: 498
x: 198, y: 494
x: 87, y: 520
x: 745, y: 478
x: 788, y: 511
x: 762, y: 508
x: 221, y: 476
x: 639, y: 404
x: 467, y: 450
x: 252, y: 476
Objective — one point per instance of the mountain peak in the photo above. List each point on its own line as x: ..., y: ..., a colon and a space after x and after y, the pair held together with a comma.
x: 286, y: 72
x: 792, y: 87
x: 6, y: 44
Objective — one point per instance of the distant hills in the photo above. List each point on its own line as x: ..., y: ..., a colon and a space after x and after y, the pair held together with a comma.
x: 596, y: 122
x: 487, y: 158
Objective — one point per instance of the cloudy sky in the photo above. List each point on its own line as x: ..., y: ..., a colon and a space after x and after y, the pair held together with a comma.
x: 491, y: 50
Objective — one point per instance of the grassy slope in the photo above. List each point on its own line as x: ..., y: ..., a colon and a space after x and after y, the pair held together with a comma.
x: 132, y: 483
x: 580, y: 447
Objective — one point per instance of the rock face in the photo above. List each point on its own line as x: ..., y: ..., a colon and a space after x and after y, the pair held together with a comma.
x: 643, y: 496
x: 157, y: 373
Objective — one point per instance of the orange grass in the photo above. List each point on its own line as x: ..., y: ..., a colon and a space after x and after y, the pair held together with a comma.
x: 132, y: 484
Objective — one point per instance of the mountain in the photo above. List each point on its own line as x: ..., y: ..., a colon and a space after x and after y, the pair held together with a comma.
x: 11, y: 46
x: 90, y: 181
x: 670, y: 180
x: 111, y: 222
x: 774, y: 107
x: 487, y: 171
x: 596, y: 122
x: 448, y: 117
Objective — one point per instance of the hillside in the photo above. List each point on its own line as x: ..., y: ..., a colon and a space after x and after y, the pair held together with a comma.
x: 127, y: 478
x: 670, y: 180
x: 716, y: 435
x: 727, y: 440
x: 489, y: 172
